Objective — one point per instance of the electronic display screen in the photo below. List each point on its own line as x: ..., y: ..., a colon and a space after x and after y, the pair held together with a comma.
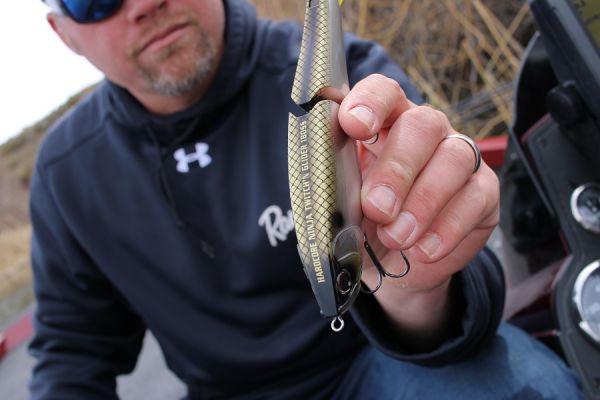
x: 589, y: 13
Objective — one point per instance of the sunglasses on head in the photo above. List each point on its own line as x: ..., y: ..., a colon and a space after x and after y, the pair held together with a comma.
x: 85, y: 11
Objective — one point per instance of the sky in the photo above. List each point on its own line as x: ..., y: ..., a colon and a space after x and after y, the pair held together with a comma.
x: 38, y: 72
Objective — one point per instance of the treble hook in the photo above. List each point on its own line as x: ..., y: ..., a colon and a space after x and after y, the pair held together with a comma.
x: 382, y: 272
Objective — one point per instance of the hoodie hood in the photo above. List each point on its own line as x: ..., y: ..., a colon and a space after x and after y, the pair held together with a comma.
x: 236, y: 66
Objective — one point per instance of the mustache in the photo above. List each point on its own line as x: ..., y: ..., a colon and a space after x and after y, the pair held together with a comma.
x: 160, y: 28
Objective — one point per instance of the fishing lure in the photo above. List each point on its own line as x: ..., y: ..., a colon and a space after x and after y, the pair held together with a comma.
x: 323, y: 169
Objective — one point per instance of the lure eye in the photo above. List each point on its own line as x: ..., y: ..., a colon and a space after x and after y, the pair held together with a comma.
x: 344, y: 281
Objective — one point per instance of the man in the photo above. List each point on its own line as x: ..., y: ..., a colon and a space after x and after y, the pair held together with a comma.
x: 161, y: 202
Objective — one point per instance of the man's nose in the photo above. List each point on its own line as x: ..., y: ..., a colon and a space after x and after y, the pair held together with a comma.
x: 139, y: 10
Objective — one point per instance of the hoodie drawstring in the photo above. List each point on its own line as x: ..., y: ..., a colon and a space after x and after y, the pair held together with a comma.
x: 161, y: 173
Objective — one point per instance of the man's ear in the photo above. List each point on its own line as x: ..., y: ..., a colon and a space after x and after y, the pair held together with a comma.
x: 56, y: 21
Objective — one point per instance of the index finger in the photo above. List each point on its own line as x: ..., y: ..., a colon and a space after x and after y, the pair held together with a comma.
x: 373, y: 104
x: 409, y: 146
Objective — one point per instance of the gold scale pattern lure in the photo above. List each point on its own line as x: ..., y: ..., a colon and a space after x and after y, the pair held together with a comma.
x: 324, y: 176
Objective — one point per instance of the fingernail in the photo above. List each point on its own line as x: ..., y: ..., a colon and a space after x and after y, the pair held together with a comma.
x: 383, y: 198
x: 401, y: 229
x: 429, y: 243
x: 364, y: 115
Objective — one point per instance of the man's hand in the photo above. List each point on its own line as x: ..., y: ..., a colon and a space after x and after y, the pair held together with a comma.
x: 419, y: 195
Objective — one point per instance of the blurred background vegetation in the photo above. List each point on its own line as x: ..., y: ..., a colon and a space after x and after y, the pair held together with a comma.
x: 463, y: 55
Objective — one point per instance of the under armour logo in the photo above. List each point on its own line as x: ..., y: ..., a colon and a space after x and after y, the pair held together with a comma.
x: 184, y: 160
x: 276, y: 224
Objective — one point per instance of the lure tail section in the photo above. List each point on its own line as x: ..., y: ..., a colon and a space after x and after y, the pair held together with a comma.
x: 321, y: 71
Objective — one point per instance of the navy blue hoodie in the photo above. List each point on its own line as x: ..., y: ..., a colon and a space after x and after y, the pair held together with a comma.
x: 181, y: 224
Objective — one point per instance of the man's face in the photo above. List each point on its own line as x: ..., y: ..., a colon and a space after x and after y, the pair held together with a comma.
x: 157, y: 49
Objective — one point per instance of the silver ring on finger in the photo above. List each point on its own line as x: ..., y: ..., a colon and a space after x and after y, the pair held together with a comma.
x: 471, y: 144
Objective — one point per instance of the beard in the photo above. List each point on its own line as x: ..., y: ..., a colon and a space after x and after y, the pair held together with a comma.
x: 179, y: 68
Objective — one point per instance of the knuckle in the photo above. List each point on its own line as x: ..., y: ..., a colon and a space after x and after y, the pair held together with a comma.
x: 426, y: 120
x: 458, y: 154
x: 394, y: 85
x: 484, y: 195
x: 380, y: 90
x: 477, y: 198
x: 492, y: 187
x: 490, y: 212
x: 398, y: 172
x: 494, y: 217
x: 380, y: 79
x: 426, y: 201
x: 492, y: 179
x: 454, y: 225
x: 369, y: 96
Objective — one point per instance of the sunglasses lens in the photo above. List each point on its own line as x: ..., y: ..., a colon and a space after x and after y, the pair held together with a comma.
x: 88, y: 11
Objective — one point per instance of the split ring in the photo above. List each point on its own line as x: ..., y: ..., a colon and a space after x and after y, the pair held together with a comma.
x: 373, y: 140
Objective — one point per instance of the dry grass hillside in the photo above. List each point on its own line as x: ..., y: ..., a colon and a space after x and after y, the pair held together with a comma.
x: 463, y: 55
x: 17, y: 158
x: 14, y: 234
x: 14, y: 241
